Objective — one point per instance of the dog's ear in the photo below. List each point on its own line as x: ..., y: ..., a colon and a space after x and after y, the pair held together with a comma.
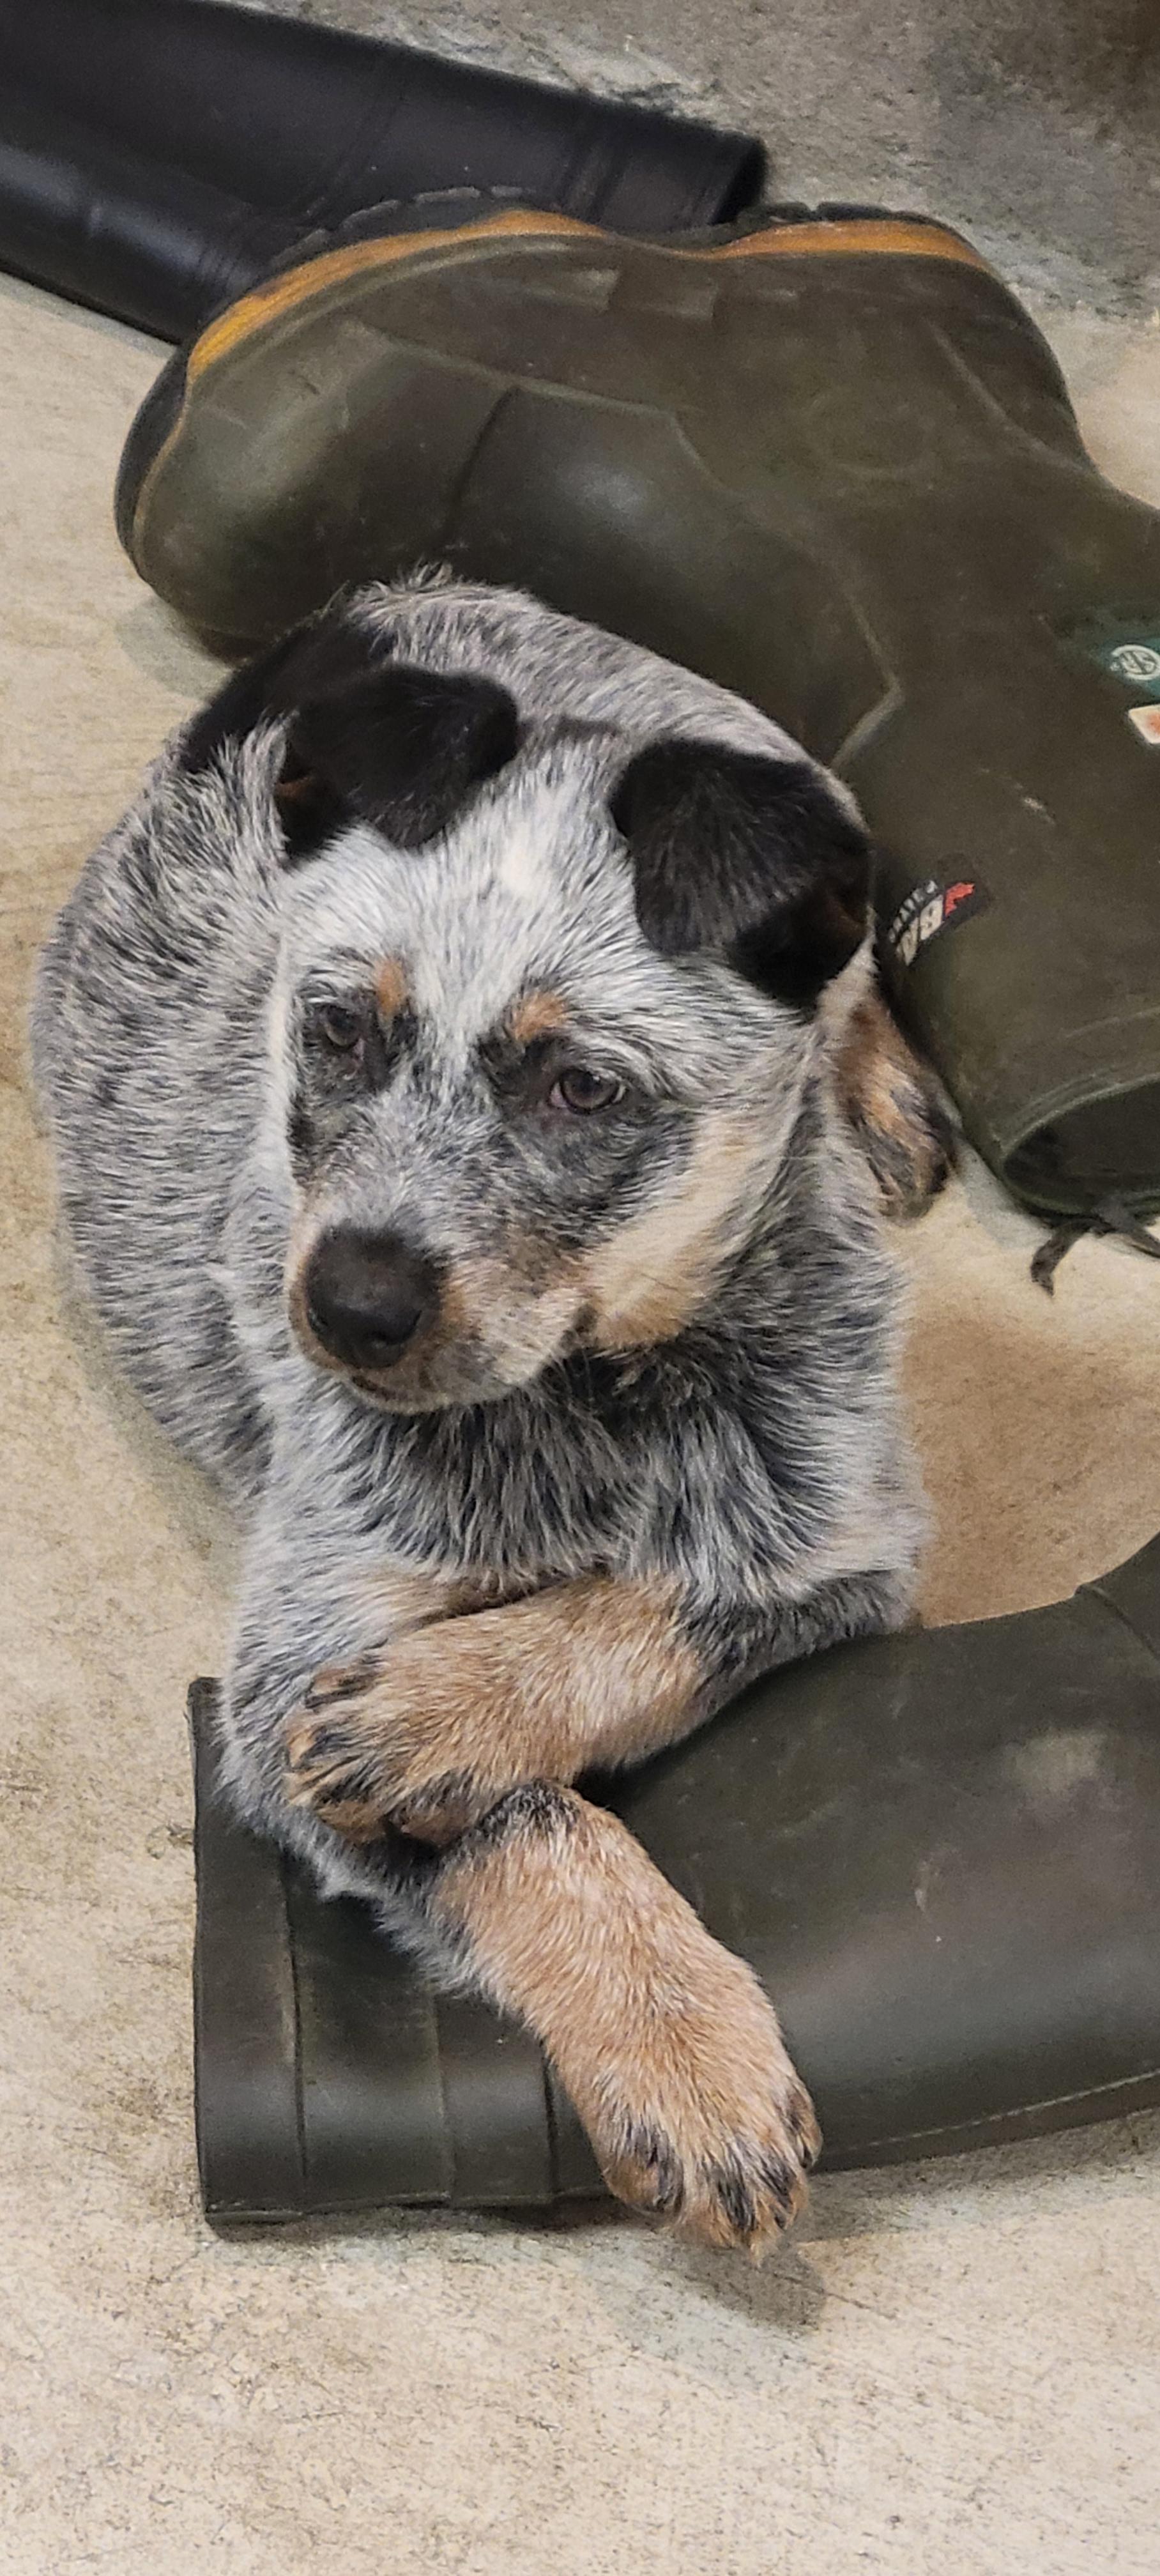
x: 368, y: 739
x: 750, y: 856
x: 402, y: 750
x: 331, y: 651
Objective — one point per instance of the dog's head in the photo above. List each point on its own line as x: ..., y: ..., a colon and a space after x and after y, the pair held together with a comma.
x: 546, y: 1005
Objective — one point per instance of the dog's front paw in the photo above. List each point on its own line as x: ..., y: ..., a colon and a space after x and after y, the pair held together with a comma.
x: 736, y: 2183
x: 894, y: 1107
x: 391, y: 1741
x: 332, y: 1764
x: 701, y: 2119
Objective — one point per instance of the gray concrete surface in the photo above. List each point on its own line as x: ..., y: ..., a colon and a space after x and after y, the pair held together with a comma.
x: 1036, y: 128
x: 951, y: 2371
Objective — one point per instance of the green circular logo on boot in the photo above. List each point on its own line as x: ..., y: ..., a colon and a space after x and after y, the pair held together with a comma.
x: 1135, y: 661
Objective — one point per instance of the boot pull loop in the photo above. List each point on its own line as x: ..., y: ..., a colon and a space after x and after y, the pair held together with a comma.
x: 1112, y: 1216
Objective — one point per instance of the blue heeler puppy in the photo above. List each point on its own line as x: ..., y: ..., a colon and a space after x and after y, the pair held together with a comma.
x: 472, y: 1110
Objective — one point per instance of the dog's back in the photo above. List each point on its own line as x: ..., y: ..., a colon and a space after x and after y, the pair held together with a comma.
x: 149, y: 1057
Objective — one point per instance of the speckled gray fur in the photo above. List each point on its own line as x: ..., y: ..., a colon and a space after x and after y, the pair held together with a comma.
x: 757, y: 1456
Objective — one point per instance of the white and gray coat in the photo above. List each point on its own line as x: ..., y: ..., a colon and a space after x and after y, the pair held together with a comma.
x: 441, y: 1059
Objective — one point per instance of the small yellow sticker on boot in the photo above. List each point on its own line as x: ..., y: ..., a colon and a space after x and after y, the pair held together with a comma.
x: 1147, y: 722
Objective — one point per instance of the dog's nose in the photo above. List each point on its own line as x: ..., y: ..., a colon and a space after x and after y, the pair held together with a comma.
x: 367, y: 1295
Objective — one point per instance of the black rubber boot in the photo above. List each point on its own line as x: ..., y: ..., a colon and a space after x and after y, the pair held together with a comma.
x: 156, y: 156
x: 828, y: 461
x: 940, y: 1851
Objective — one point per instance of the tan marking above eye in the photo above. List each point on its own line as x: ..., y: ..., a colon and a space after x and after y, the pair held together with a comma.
x: 391, y: 988
x: 536, y: 1015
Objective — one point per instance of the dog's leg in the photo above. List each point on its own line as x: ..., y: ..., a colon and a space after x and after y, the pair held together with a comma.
x: 892, y: 1105
x: 665, y: 2042
x: 587, y: 1675
x: 431, y: 1734
x: 308, y: 1610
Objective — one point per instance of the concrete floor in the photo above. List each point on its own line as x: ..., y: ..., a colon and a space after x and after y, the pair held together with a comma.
x: 951, y: 2369
x: 1033, y: 128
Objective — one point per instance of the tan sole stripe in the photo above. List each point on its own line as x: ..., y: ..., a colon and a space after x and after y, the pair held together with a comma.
x: 862, y: 236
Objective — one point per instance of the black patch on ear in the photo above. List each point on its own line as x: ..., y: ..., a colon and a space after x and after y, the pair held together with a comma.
x: 751, y: 856
x: 404, y: 748
x: 369, y: 739
x: 330, y: 652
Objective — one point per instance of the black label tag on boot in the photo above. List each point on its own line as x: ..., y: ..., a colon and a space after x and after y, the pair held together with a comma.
x: 930, y: 908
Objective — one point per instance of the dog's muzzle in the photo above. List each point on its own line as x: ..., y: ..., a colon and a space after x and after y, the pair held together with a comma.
x: 367, y: 1296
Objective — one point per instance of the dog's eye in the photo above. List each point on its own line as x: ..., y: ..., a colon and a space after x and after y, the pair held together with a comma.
x: 336, y: 1026
x: 580, y: 1088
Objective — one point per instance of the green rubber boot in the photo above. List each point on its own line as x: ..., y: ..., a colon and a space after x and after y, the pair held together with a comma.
x: 829, y: 462
x: 940, y: 1851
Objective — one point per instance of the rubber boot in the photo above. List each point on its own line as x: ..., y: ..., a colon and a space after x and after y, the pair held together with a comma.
x: 940, y: 1852
x: 157, y: 155
x: 831, y: 463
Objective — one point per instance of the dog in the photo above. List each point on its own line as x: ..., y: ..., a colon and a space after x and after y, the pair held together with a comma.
x: 472, y: 1110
